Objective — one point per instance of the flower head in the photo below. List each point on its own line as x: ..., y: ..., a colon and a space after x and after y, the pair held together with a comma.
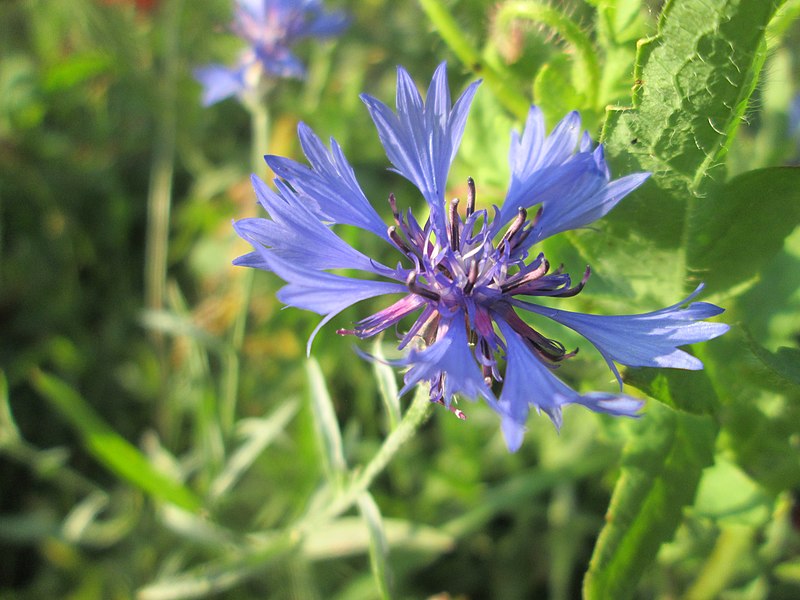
x: 465, y: 274
x: 270, y: 28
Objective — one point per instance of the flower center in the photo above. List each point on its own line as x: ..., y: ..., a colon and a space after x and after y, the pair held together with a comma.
x: 471, y: 274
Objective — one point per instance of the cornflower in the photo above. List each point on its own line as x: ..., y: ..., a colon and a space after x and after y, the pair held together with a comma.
x: 270, y: 28
x: 466, y: 276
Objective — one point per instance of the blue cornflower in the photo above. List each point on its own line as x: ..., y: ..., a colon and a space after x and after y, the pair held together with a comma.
x: 270, y: 28
x: 467, y: 276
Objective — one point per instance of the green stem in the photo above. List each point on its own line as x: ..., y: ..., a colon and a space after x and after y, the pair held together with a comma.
x: 259, y: 135
x: 260, y: 126
x: 415, y: 416
x: 734, y: 542
x: 497, y: 78
x: 545, y: 14
x: 159, y: 196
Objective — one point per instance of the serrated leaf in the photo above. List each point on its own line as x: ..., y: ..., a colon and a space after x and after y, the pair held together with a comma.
x: 109, y: 448
x: 692, y: 83
x: 661, y: 468
x: 742, y: 225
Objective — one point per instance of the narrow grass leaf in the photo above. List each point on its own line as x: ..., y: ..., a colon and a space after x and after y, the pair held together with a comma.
x: 378, y: 545
x: 326, y: 425
x: 8, y: 427
x: 349, y: 536
x: 220, y: 575
x: 165, y: 321
x: 108, y: 447
x: 258, y: 433
x: 387, y: 386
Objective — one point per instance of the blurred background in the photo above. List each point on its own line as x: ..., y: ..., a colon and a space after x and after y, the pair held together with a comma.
x: 117, y: 193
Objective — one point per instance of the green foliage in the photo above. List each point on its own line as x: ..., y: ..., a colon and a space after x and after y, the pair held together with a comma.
x: 661, y: 467
x: 105, y: 445
x: 729, y: 241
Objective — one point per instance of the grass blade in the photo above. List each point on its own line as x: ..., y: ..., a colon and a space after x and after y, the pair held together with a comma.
x: 109, y: 448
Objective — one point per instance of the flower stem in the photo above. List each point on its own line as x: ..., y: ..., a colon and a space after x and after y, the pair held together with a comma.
x: 416, y: 415
x: 259, y: 141
x: 159, y: 195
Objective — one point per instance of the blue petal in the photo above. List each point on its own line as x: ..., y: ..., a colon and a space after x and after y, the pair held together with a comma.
x: 219, y: 82
x: 561, y: 173
x: 644, y: 340
x: 320, y: 292
x: 584, y: 205
x: 422, y: 138
x: 280, y: 62
x: 295, y: 234
x: 330, y: 182
x: 327, y: 25
x: 528, y: 382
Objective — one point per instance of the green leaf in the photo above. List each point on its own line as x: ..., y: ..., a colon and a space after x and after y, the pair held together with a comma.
x: 692, y: 84
x: 258, y: 434
x: 9, y: 433
x: 661, y: 468
x: 76, y: 69
x: 108, y: 447
x: 483, y: 154
x: 553, y: 92
x: 586, y: 74
x: 349, y: 536
x: 387, y: 385
x: 785, y: 363
x: 689, y: 391
x: 729, y: 497
x: 378, y: 545
x: 326, y: 425
x: 742, y: 225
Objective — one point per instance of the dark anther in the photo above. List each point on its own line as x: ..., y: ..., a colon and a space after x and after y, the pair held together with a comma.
x: 470, y: 196
x: 393, y: 206
x: 411, y: 282
x: 398, y: 241
x: 472, y: 277
x: 574, y: 291
x: 518, y: 282
x: 513, y: 228
x: 454, y: 225
x: 537, y: 216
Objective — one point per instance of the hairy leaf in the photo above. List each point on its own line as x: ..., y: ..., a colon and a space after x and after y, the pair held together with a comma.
x: 661, y: 468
